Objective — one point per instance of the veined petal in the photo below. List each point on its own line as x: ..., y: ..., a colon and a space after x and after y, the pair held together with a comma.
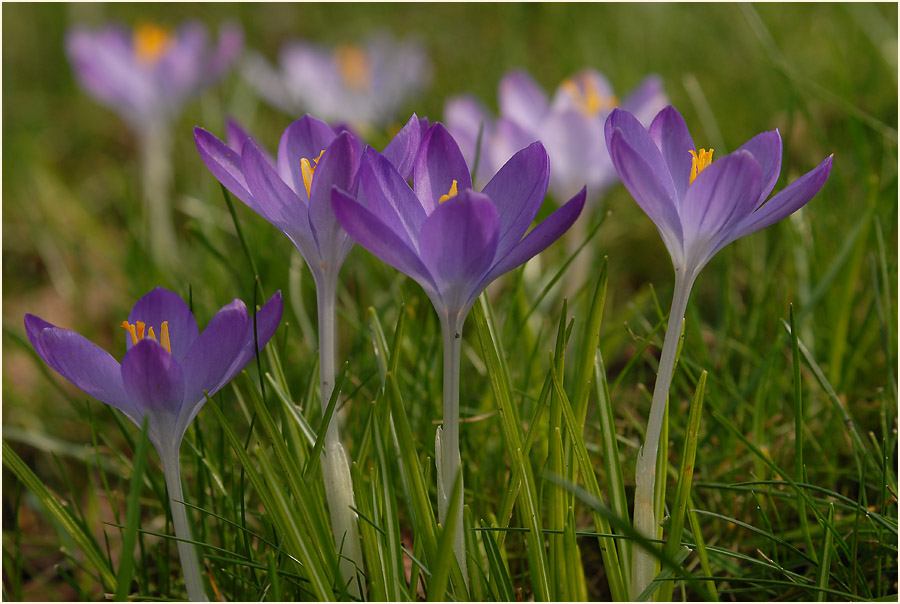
x: 720, y: 197
x: 404, y: 147
x: 438, y: 164
x: 458, y: 244
x: 267, y: 319
x: 225, y: 164
x: 517, y: 191
x: 789, y: 200
x: 338, y: 167
x: 373, y: 234
x: 304, y: 139
x: 82, y: 362
x: 671, y: 136
x: 154, y: 381
x: 541, y: 236
x: 522, y: 100
x: 160, y: 305
x: 766, y: 147
x: 390, y: 198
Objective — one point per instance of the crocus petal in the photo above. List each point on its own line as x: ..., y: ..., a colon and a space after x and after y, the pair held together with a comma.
x: 377, y: 237
x: 278, y: 203
x: 154, y: 382
x: 541, y: 236
x: 404, y: 147
x: 785, y: 203
x: 653, y: 193
x: 390, y: 198
x: 231, y: 42
x: 517, y: 191
x: 766, y: 147
x: 267, y: 320
x: 522, y: 100
x: 671, y: 136
x: 438, y: 164
x: 81, y: 362
x: 225, y: 164
x: 578, y: 155
x: 720, y: 197
x: 214, y: 351
x: 465, y: 118
x: 458, y: 244
x: 338, y: 167
x: 304, y: 139
x: 160, y: 305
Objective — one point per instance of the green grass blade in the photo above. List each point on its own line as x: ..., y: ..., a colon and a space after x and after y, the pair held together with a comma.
x: 824, y: 577
x: 437, y: 587
x: 798, y: 431
x: 499, y: 575
x: 132, y: 516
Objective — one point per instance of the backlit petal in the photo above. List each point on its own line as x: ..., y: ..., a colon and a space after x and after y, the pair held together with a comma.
x: 304, y: 139
x: 522, y: 100
x: 154, y: 381
x: 438, y: 164
x: 160, y: 305
x: 390, y: 198
x: 671, y: 136
x: 767, y: 149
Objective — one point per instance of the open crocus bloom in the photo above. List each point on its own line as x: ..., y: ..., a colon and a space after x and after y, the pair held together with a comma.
x: 570, y: 126
x: 362, y: 85
x: 168, y: 365
x: 700, y: 205
x: 148, y: 74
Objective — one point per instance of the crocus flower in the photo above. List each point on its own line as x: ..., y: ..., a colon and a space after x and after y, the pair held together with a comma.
x: 699, y: 206
x: 165, y: 376
x: 364, y: 86
x: 570, y: 126
x: 453, y: 241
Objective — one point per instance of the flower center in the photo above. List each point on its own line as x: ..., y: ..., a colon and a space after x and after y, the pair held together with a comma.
x: 308, y: 168
x: 150, y: 43
x: 450, y: 194
x: 699, y: 162
x: 137, y: 333
x: 353, y: 65
x: 587, y: 96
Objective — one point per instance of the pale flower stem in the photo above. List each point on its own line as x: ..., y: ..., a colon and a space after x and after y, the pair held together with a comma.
x: 644, y: 565
x: 187, y: 553
x: 335, y: 465
x: 448, y: 456
x: 155, y: 142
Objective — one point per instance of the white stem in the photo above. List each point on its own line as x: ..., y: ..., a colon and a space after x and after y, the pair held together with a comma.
x: 190, y: 566
x: 335, y: 465
x: 448, y: 454
x: 156, y: 174
x: 643, y: 568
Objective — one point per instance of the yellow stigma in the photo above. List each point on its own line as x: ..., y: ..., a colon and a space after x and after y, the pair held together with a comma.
x: 137, y: 333
x: 451, y: 193
x: 150, y: 43
x: 700, y: 161
x: 308, y: 169
x: 587, y: 97
x: 353, y: 65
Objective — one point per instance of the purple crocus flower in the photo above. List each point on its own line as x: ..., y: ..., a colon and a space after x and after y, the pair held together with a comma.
x: 699, y: 206
x: 148, y: 74
x: 453, y: 241
x: 165, y: 376
x: 364, y: 86
x: 570, y: 126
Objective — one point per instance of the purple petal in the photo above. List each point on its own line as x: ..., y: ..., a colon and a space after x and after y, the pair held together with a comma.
x: 370, y: 232
x: 671, y: 136
x: 506, y: 140
x: 578, y: 155
x: 541, y: 236
x: 267, y: 320
x: 465, y: 116
x: 236, y: 135
x: 82, y: 362
x: 458, y: 244
x: 720, y: 197
x: 161, y: 305
x: 404, y: 147
x: 438, y: 164
x: 231, y: 42
x: 154, y: 382
x: 522, y: 100
x: 213, y: 353
x: 646, y: 100
x: 278, y: 204
x: 651, y: 191
x: 785, y: 203
x: 338, y: 167
x: 517, y: 191
x: 390, y: 198
x: 304, y: 139
x: 225, y: 164
x: 766, y: 148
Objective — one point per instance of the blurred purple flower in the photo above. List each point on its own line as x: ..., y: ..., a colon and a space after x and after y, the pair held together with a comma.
x: 364, y: 86
x: 697, y: 218
x: 570, y: 127
x: 168, y: 364
x: 148, y: 74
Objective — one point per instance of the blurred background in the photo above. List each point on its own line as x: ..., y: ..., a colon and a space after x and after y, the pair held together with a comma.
x: 824, y: 74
